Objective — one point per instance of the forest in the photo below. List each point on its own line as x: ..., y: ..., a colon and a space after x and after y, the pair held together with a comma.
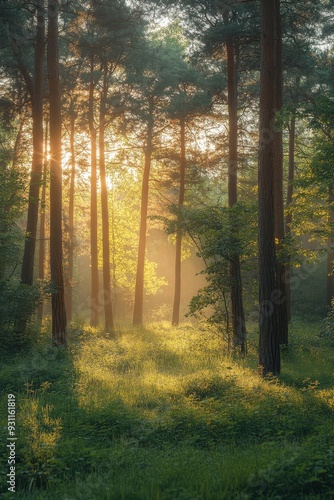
x: 167, y: 249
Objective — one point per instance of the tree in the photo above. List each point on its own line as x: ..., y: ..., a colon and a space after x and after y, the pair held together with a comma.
x: 238, y: 315
x: 117, y: 30
x: 153, y: 82
x: 112, y: 28
x: 269, y: 342
x: 42, y: 233
x: 71, y: 239
x: 213, y: 234
x: 231, y: 26
x: 17, y: 300
x: 94, y: 318
x: 37, y: 162
x: 282, y: 314
x: 190, y: 99
x: 148, y: 149
x: 108, y: 312
x: 178, y: 245
x: 322, y: 173
x: 59, y: 336
x: 17, y: 22
x: 12, y: 202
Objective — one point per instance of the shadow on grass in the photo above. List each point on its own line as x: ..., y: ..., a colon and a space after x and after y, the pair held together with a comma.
x: 87, y: 430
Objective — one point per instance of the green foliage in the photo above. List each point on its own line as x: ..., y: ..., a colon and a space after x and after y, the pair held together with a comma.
x: 308, y: 290
x: 12, y: 200
x: 17, y: 302
x: 320, y: 117
x: 323, y: 161
x: 42, y: 433
x: 328, y: 326
x: 220, y: 234
x: 124, y: 204
x: 162, y: 413
x: 308, y: 471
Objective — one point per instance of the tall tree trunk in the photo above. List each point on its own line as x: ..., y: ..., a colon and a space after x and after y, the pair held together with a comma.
x: 288, y: 219
x: 69, y: 287
x: 113, y: 251
x: 59, y: 336
x: 139, y: 290
x: 41, y: 248
x: 37, y: 159
x: 178, y: 247
x: 330, y: 246
x: 17, y: 145
x: 238, y: 315
x: 282, y: 312
x: 269, y: 342
x: 2, y: 259
x: 94, y: 318
x: 108, y: 312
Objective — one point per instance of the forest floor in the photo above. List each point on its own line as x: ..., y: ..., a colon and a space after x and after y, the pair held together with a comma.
x: 164, y: 413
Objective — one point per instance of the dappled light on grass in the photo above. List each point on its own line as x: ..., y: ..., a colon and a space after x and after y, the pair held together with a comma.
x: 164, y: 412
x: 167, y: 379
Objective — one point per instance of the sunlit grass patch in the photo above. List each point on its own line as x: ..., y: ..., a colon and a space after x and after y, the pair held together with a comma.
x: 162, y: 412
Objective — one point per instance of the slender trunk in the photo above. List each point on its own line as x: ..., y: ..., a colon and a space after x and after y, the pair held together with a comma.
x: 238, y: 315
x: 291, y: 176
x: 288, y: 219
x: 41, y: 249
x: 113, y: 251
x: 94, y: 318
x: 2, y: 261
x: 330, y: 246
x: 139, y: 290
x: 17, y: 145
x: 269, y: 342
x: 69, y: 288
x: 59, y: 336
x: 37, y: 159
x: 282, y: 311
x: 108, y: 312
x: 178, y: 248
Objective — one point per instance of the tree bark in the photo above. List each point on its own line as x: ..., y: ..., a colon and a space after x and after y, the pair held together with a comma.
x: 330, y: 247
x: 59, y: 336
x: 238, y: 315
x: 178, y: 246
x: 41, y: 249
x: 94, y: 318
x: 288, y: 219
x: 282, y: 311
x: 139, y: 290
x: 69, y: 287
x: 108, y: 312
x: 269, y: 341
x: 17, y: 145
x: 27, y: 271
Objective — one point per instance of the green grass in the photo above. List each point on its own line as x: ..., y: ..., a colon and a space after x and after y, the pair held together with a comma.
x: 164, y: 413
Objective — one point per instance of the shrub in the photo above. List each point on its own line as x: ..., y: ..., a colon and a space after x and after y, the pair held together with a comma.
x: 17, y: 304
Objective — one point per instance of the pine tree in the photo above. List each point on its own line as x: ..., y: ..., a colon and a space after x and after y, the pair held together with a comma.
x: 269, y: 343
x: 59, y: 336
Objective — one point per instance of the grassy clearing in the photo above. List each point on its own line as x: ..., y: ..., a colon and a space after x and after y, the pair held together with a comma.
x: 162, y: 413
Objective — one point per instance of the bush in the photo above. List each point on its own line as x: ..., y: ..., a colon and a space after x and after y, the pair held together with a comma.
x: 17, y: 305
x: 328, y: 326
x: 308, y: 471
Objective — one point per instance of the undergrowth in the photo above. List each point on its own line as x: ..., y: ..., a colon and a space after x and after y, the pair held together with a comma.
x: 164, y: 413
